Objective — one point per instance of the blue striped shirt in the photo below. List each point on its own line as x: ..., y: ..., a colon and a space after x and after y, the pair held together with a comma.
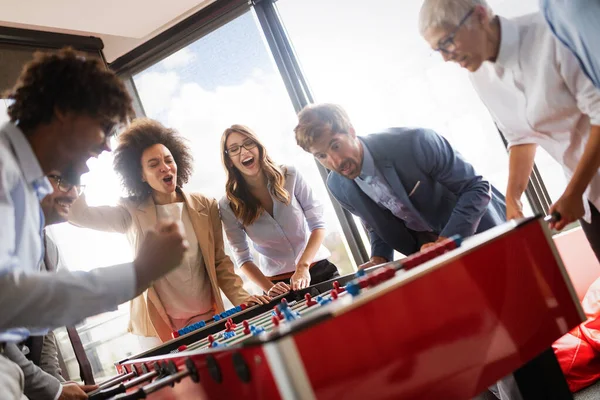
x: 22, y: 185
x: 576, y: 23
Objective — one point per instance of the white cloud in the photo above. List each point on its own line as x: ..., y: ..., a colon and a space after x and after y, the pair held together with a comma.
x: 156, y: 90
x: 179, y: 59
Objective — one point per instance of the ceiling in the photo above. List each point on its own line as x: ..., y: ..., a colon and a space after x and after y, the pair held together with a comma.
x: 121, y: 24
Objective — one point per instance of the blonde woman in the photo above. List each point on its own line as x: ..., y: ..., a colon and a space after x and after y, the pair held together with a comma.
x: 154, y: 163
x: 275, y: 208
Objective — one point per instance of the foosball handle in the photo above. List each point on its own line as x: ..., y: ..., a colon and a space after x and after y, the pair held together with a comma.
x: 122, y: 388
x: 554, y: 217
x: 169, y: 380
x: 108, y: 393
x: 112, y: 382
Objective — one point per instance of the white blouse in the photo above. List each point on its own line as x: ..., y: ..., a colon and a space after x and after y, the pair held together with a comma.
x: 280, y: 239
x: 185, y: 291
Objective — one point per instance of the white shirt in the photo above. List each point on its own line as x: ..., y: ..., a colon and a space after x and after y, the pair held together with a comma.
x: 185, y: 291
x: 537, y: 93
x: 30, y: 298
x: 280, y: 239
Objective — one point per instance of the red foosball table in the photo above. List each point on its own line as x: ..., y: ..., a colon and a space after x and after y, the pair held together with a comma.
x: 445, y: 323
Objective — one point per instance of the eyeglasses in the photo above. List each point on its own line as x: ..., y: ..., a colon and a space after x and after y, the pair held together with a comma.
x: 444, y: 45
x: 65, y: 186
x: 236, y: 148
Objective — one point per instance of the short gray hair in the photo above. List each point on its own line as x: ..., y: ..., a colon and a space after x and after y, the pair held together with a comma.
x: 447, y: 13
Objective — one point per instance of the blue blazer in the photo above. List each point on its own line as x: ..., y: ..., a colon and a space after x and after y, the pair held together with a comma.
x: 432, y: 179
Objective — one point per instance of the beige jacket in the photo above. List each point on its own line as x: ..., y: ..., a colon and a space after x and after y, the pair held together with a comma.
x: 148, y: 316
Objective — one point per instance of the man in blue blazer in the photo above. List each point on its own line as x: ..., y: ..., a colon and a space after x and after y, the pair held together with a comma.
x: 408, y: 185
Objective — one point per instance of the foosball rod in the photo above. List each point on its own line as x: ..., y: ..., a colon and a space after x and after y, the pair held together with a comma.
x: 115, y: 380
x: 158, y: 384
x: 122, y: 387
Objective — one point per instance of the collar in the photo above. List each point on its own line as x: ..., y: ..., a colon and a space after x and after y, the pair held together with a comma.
x: 28, y: 162
x: 508, y: 54
x: 368, y: 164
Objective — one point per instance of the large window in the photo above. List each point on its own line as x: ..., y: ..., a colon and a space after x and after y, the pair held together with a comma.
x: 228, y: 77
x: 224, y: 78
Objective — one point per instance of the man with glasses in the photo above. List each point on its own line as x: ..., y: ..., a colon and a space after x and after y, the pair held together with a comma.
x: 537, y: 94
x: 43, y: 350
x: 63, y: 108
x: 57, y: 204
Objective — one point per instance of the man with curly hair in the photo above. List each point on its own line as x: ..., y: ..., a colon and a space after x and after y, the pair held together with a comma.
x: 64, y: 110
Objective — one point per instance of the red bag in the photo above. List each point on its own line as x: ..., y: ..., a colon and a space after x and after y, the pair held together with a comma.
x: 578, y: 352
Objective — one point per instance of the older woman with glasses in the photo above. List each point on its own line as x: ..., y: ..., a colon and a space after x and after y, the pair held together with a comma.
x: 536, y: 92
x: 274, y: 207
x: 154, y: 164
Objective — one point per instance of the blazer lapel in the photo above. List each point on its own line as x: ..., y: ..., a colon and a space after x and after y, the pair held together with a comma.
x: 392, y: 178
x: 203, y: 229
x: 146, y: 213
x: 388, y: 169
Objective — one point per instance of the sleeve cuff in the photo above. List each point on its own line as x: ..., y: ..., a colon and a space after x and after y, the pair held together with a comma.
x: 60, y: 389
x: 595, y: 120
x: 242, y: 260
x: 521, y: 141
x: 314, y: 218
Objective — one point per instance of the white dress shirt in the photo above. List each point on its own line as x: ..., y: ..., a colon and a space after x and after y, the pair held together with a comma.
x: 280, y: 239
x: 537, y: 93
x: 29, y: 298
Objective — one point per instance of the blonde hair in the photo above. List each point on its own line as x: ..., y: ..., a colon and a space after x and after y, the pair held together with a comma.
x: 447, y: 13
x: 245, y: 206
x: 316, y: 120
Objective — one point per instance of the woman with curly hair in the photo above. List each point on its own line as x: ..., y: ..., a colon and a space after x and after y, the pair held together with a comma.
x: 154, y: 163
x: 274, y: 207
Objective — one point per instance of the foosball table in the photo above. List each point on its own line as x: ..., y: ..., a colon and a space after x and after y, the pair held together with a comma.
x: 444, y: 323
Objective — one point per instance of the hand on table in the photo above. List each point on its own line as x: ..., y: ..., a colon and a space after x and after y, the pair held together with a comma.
x: 514, y: 209
x: 301, y: 278
x: 426, y: 245
x: 278, y: 289
x: 258, y: 299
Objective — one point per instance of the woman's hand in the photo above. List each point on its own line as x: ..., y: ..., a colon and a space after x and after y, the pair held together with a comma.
x: 259, y: 299
x: 301, y: 278
x: 278, y: 289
